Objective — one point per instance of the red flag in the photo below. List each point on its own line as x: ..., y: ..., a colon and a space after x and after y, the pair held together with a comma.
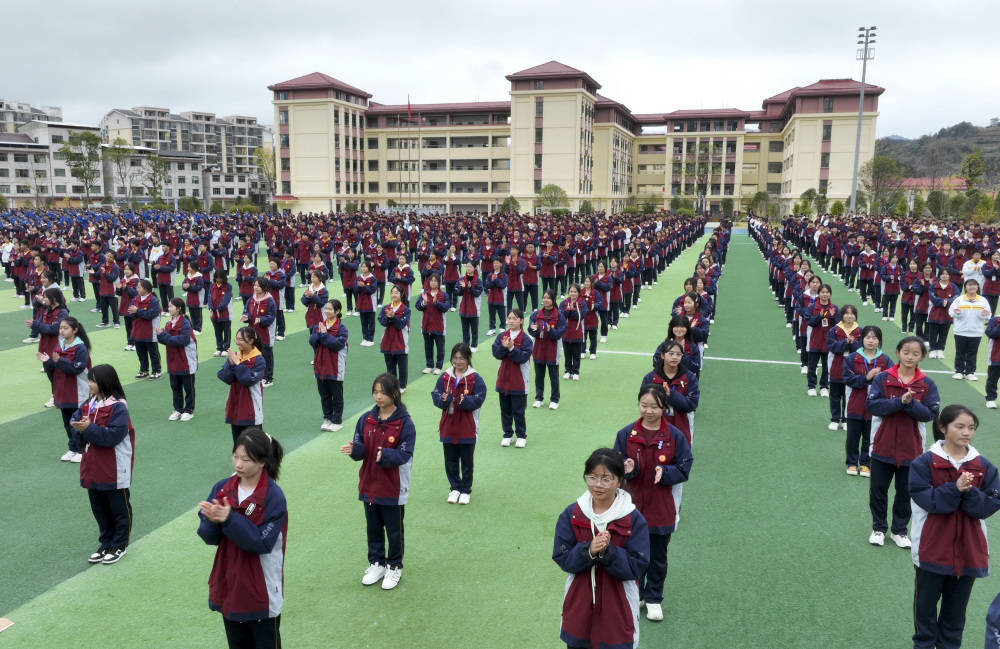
x: 409, y: 111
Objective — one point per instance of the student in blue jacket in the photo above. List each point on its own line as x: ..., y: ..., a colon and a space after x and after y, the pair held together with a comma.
x: 953, y: 489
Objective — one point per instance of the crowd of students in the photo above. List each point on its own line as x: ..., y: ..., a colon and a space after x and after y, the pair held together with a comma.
x: 590, y: 271
x: 885, y: 405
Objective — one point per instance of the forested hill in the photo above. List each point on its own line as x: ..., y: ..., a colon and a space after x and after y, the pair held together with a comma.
x: 940, y: 155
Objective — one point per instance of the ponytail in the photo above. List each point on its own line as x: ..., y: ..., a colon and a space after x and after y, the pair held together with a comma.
x: 261, y: 447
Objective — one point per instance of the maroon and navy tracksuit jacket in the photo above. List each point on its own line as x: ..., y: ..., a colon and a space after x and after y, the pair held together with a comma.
x: 402, y: 277
x: 70, y: 386
x: 108, y: 444
x: 575, y: 313
x: 248, y: 574
x: 314, y: 304
x: 396, y: 337
x: 949, y: 527
x: 47, y: 325
x: 245, y: 403
x: 841, y: 343
x: 683, y: 395
x: 385, y: 481
x: 459, y: 400
x: 468, y: 295
x: 262, y: 315
x: 365, y: 285
x: 195, y: 285
x: 330, y: 349
x: 219, y: 298
x: 147, y: 318
x: 855, y: 377
x: 433, y: 321
x: 496, y: 287
x: 819, y: 318
x: 549, y: 326
x: 182, y: 348
x: 898, y: 429
x: 512, y: 375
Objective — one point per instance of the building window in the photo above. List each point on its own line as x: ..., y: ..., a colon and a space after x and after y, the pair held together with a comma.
x: 283, y: 140
x: 286, y: 164
x: 373, y: 165
x: 823, y: 184
x: 286, y: 187
x: 181, y: 193
x: 336, y: 116
x: 774, y: 167
x: 3, y: 157
x: 60, y: 189
x: 20, y: 157
x: 539, y: 106
x: 372, y: 188
x: 282, y: 95
x: 539, y: 85
x: 773, y: 188
x: 775, y: 146
x: 538, y: 161
x: 538, y: 136
x: 824, y: 161
x: 282, y: 116
x: 230, y: 191
x: 134, y: 162
x: 827, y: 132
x: 538, y: 186
x: 5, y: 173
x: 827, y: 104
x: 372, y: 143
x: 216, y: 191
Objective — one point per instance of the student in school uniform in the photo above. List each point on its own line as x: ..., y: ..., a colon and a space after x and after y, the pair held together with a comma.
x: 218, y: 300
x: 902, y: 400
x: 993, y: 361
x: 574, y: 310
x: 109, y: 280
x: 891, y: 275
x: 602, y: 282
x: 328, y: 338
x: 657, y: 462
x: 460, y: 393
x: 146, y: 310
x: 991, y: 280
x: 395, y: 343
x: 970, y: 313
x: 246, y: 517
x: 105, y: 435
x: 261, y: 312
x: 366, y: 286
x: 348, y: 267
x: 513, y: 347
x: 45, y: 324
x: 602, y: 543
x: 246, y: 275
x: 860, y: 368
x: 842, y: 340
x: 314, y: 296
x: 274, y: 280
x: 954, y: 489
x: 193, y: 286
x: 940, y: 294
x: 591, y: 321
x: 679, y: 329
x: 402, y: 278
x: 178, y: 337
x: 243, y: 371
x: 468, y: 290
x: 163, y: 271
x: 495, y: 285
x: 452, y: 270
x: 921, y: 288
x: 680, y: 384
x: 68, y: 363
x: 433, y: 303
x: 128, y: 291
x: 908, y: 299
x: 547, y: 326
x: 383, y: 442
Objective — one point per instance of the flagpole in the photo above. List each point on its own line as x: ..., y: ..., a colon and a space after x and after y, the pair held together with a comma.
x: 409, y: 152
x: 399, y: 160
x: 420, y: 163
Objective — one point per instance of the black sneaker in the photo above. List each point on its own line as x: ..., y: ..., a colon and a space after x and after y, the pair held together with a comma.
x: 113, y: 556
x: 142, y: 375
x: 97, y: 556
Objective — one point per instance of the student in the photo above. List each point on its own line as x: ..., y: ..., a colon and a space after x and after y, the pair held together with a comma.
x: 657, y: 461
x: 163, y: 272
x: 274, y: 284
x: 367, y: 285
x: 590, y: 320
x: 909, y: 297
x: 128, y: 291
x: 246, y: 275
x: 602, y: 542
x: 574, y: 310
x: 383, y: 442
x: 104, y: 431
x: 993, y: 361
x: 67, y: 365
x: 220, y: 296
x: 177, y: 336
x: 513, y: 349
x: 402, y: 277
x: 954, y: 489
x: 602, y: 282
x: 547, y: 325
x: 940, y: 295
x: 243, y: 371
x: 459, y: 393
x: 246, y: 516
x: 891, y: 276
x: 970, y: 312
x: 469, y: 288
x: 194, y: 287
x: 991, y: 277
x: 860, y: 368
x: 434, y: 304
x: 495, y: 285
x: 45, y: 325
x: 348, y: 267
x: 901, y: 399
x: 328, y: 338
x: 819, y: 318
x: 395, y: 343
x: 261, y: 312
x: 921, y: 288
x: 108, y: 283
x: 680, y: 331
x: 681, y: 386
x: 146, y: 310
x: 841, y: 341
x: 314, y: 297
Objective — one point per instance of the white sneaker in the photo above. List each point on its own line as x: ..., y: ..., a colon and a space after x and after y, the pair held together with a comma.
x: 788, y: 325
x: 576, y: 377
x: 625, y: 315
x: 279, y: 337
x: 971, y: 377
x: 654, y: 612
x: 174, y: 416
x: 877, y: 538
x: 844, y: 425
x: 521, y: 442
x: 604, y: 339
x: 505, y: 441
x: 374, y: 573
x: 426, y: 370
x: 901, y: 540
x: 614, y: 327
x: 77, y: 457
x: 593, y: 356
x: 473, y: 349
x: 811, y: 392
x: 402, y: 390
x: 187, y: 416
x: 51, y: 403
x: 463, y: 499
x: 29, y: 340
x: 216, y: 353
x: 491, y: 332
x: 536, y: 404
x: 391, y: 578
x: 566, y: 376
x: 452, y: 309
x: 335, y: 427
x: 67, y: 456
x: 805, y: 369
x: 958, y: 375
x: 553, y: 405
x: 325, y: 426
x: 823, y: 392
x: 437, y: 370
x: 833, y: 426
x: 453, y: 496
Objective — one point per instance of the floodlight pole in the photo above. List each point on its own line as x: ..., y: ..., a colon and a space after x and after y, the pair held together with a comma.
x: 866, y: 37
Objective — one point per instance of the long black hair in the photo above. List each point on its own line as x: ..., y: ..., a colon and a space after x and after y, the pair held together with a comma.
x: 949, y: 414
x: 81, y: 333
x: 261, y: 447
x: 251, y: 336
x: 661, y: 351
x: 106, y: 378
x: 680, y: 321
x: 390, y: 386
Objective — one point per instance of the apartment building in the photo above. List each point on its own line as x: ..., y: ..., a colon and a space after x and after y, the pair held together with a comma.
x: 336, y: 146
x: 15, y: 113
x: 33, y: 170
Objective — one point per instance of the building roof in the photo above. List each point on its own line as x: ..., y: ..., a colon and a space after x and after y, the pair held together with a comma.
x: 552, y: 70
x: 824, y: 87
x: 375, y: 108
x: 603, y: 102
x: 125, y: 111
x: 318, y: 80
x: 953, y: 183
x: 709, y: 113
x: 16, y: 138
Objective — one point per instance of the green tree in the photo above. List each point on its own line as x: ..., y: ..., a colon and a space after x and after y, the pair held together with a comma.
x: 937, y: 203
x: 901, y: 208
x: 649, y: 205
x: 216, y: 208
x: 880, y: 178
x: 973, y: 168
x: 351, y: 208
x: 82, y: 150
x: 585, y: 207
x: 189, y: 204
x: 156, y: 170
x: 808, y: 196
x: 837, y: 209
x: 759, y: 202
x: 119, y: 153
x: 996, y: 204
x: 552, y: 196
x: 956, y: 204
x: 511, y: 204
x: 3, y: 202
x: 727, y: 207
x: 266, y: 171
x: 772, y: 211
x: 820, y: 202
x: 919, y: 205
x: 984, y: 208
x: 391, y: 203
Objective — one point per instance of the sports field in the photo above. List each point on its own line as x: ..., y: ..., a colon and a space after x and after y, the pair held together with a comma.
x: 771, y: 550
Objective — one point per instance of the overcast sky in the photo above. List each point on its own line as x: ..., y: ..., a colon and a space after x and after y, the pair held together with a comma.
x: 937, y: 61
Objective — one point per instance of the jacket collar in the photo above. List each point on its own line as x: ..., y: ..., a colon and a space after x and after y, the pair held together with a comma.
x: 937, y: 449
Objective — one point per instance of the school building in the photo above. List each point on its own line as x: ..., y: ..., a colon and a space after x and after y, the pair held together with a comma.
x: 335, y: 147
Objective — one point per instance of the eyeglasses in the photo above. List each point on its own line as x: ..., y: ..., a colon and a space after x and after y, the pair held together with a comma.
x: 603, y: 480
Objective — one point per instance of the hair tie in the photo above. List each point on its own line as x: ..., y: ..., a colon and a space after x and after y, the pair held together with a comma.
x: 269, y: 438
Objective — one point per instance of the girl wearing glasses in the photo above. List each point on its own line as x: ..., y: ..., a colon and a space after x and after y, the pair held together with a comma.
x: 602, y: 543
x: 657, y: 462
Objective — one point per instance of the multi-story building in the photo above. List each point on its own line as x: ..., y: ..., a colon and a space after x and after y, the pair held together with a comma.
x: 335, y: 146
x: 33, y: 170
x: 15, y: 113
